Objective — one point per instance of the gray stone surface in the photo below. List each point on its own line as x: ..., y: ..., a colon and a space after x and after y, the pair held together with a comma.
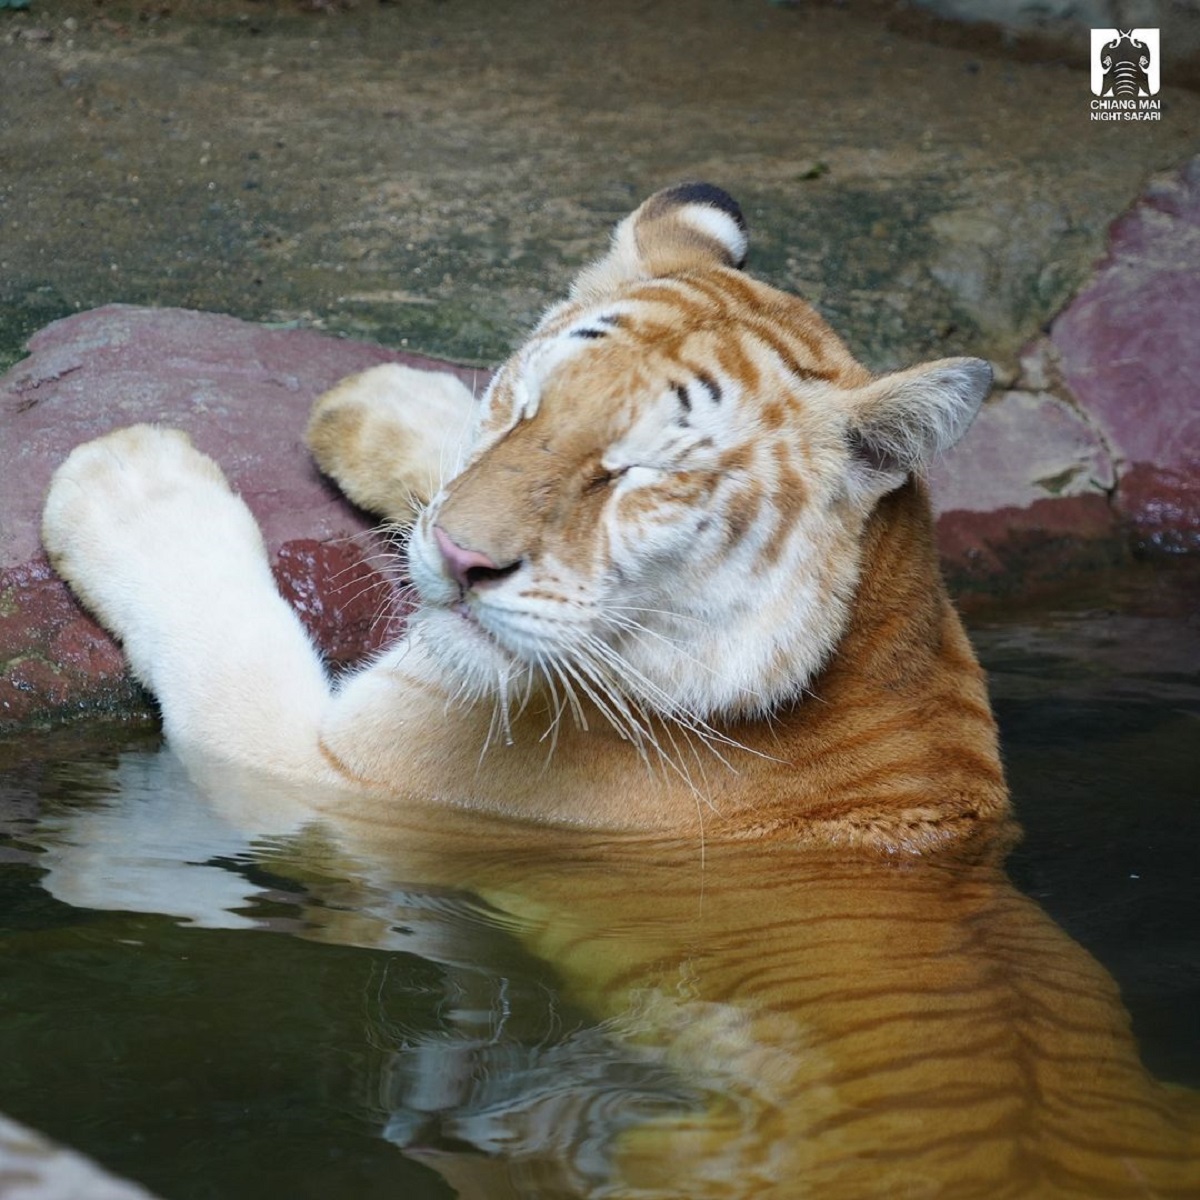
x: 432, y: 172
x: 1064, y: 26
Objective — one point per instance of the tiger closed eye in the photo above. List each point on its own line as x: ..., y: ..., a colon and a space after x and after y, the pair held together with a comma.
x: 603, y: 478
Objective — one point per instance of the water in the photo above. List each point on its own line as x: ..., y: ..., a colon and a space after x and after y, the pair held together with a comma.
x: 1100, y: 723
x: 218, y: 1019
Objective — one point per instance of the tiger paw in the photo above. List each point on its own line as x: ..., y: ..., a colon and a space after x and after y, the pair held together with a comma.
x: 391, y: 436
x: 139, y: 522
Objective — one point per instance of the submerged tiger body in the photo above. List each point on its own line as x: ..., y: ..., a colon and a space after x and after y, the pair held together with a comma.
x: 835, y: 1025
x: 682, y: 666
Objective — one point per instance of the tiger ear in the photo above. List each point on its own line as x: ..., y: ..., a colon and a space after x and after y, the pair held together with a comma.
x: 687, y: 227
x: 902, y: 421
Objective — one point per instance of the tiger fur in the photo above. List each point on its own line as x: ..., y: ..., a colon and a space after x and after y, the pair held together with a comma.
x: 677, y: 586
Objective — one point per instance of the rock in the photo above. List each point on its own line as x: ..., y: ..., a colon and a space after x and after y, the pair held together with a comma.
x: 1020, y: 553
x: 1022, y: 501
x: 1101, y: 437
x: 1063, y: 27
x: 1024, y: 447
x: 929, y: 199
x: 1128, y: 351
x: 242, y: 392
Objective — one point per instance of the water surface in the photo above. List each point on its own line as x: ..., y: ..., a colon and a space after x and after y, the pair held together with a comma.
x: 218, y: 1018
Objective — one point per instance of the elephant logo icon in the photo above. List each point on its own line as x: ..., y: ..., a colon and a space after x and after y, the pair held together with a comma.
x: 1125, y: 62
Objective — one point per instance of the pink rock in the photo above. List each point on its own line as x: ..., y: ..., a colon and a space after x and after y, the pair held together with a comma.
x: 1129, y: 351
x: 1022, y: 501
x: 243, y: 393
x: 1023, y: 447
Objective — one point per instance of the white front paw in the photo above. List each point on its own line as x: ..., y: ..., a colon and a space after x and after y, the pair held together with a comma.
x: 138, y: 518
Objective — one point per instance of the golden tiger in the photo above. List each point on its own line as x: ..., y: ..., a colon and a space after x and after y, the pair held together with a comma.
x: 684, y: 696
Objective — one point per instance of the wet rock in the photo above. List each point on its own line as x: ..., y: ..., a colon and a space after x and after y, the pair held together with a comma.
x: 1020, y: 553
x: 1128, y: 351
x: 242, y: 392
x: 1101, y: 437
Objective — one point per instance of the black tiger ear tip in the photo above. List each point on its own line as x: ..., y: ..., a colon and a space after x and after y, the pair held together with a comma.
x: 708, y: 194
x: 704, y: 208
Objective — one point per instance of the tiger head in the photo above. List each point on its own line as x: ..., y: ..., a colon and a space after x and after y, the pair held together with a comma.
x: 663, y: 504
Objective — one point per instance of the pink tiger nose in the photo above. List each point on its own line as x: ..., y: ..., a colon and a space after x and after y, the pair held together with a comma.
x: 469, y: 568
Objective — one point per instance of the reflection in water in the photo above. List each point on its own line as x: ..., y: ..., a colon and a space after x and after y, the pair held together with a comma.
x: 621, y: 1018
x: 542, y: 1114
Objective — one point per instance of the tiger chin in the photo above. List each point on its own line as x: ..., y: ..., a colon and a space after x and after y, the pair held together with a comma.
x: 676, y: 587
